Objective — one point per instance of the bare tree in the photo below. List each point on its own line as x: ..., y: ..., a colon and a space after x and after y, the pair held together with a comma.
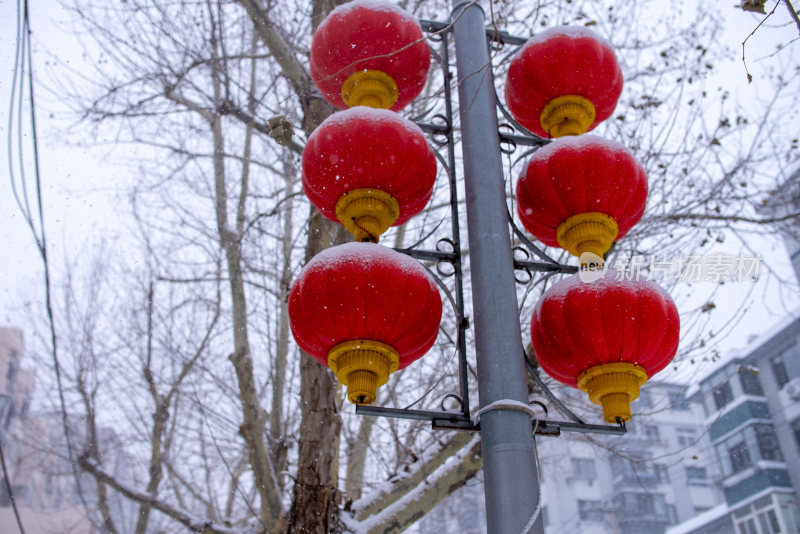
x: 201, y: 345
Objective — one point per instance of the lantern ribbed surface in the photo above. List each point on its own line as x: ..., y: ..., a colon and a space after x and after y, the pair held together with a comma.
x: 365, y: 148
x: 365, y: 37
x: 577, y: 325
x: 581, y: 175
x: 364, y: 291
x: 606, y: 337
x: 559, y: 63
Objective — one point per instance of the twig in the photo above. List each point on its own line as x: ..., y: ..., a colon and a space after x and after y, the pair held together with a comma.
x: 750, y: 76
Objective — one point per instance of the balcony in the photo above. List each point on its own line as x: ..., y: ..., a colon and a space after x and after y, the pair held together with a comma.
x: 640, y: 512
x: 646, y: 479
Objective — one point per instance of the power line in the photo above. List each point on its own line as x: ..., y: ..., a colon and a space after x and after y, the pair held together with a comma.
x: 23, y: 65
x: 21, y: 199
x: 10, y: 491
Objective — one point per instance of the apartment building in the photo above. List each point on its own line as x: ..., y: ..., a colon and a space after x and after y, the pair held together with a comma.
x: 16, y: 390
x: 42, y: 481
x: 660, y: 473
x: 752, y: 410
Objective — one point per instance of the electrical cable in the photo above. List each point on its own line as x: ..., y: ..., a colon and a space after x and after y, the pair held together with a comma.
x: 16, y: 80
x: 24, y: 65
x: 21, y: 201
x: 538, y: 510
x: 10, y: 491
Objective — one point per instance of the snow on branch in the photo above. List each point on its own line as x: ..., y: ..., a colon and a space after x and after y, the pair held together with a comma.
x: 431, y: 464
x: 452, y: 474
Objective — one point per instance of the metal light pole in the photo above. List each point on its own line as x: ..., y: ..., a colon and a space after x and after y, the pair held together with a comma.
x: 511, y: 478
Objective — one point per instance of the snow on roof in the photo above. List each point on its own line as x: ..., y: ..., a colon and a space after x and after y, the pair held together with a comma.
x: 751, y: 346
x: 699, y: 520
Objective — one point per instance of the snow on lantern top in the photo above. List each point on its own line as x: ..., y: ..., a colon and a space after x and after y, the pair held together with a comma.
x: 365, y: 311
x: 562, y: 82
x: 368, y: 169
x: 369, y: 53
x: 605, y: 337
x: 581, y: 194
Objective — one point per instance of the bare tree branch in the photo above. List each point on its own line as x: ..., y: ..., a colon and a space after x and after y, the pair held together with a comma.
x: 280, y: 50
x: 372, y: 504
x: 453, y: 474
x: 181, y: 516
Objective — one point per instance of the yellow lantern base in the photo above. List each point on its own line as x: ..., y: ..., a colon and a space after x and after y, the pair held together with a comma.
x: 613, y: 386
x: 373, y: 88
x: 367, y: 213
x: 363, y: 365
x: 587, y: 232
x: 567, y: 115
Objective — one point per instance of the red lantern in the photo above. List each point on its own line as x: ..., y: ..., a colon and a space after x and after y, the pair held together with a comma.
x: 368, y: 169
x: 365, y: 311
x: 562, y: 82
x: 369, y: 54
x: 582, y: 194
x: 605, y: 337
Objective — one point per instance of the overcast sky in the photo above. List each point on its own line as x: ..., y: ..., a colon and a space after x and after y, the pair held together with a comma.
x: 78, y: 182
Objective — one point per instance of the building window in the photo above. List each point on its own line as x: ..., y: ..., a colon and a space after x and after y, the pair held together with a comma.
x: 645, y: 400
x: 769, y: 522
x: 760, y: 518
x: 590, y: 511
x: 723, y: 394
x: 672, y: 514
x: 6, y: 413
x: 646, y: 503
x: 584, y: 468
x: 677, y: 401
x: 648, y: 506
x: 652, y: 433
x: 620, y: 466
x: 779, y: 370
x: 26, y: 404
x: 662, y: 473
x: 748, y: 376
x: 748, y: 526
x: 767, y: 442
x: 739, y: 456
x: 11, y: 372
x: 747, y: 446
x: 696, y: 476
x: 790, y: 512
x: 686, y: 437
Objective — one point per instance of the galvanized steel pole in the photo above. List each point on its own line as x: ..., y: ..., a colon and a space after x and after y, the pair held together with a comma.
x: 511, y: 482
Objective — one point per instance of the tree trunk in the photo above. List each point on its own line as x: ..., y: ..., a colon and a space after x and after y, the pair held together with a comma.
x: 276, y: 425
x: 316, y: 501
x: 253, y: 428
x: 357, y: 459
